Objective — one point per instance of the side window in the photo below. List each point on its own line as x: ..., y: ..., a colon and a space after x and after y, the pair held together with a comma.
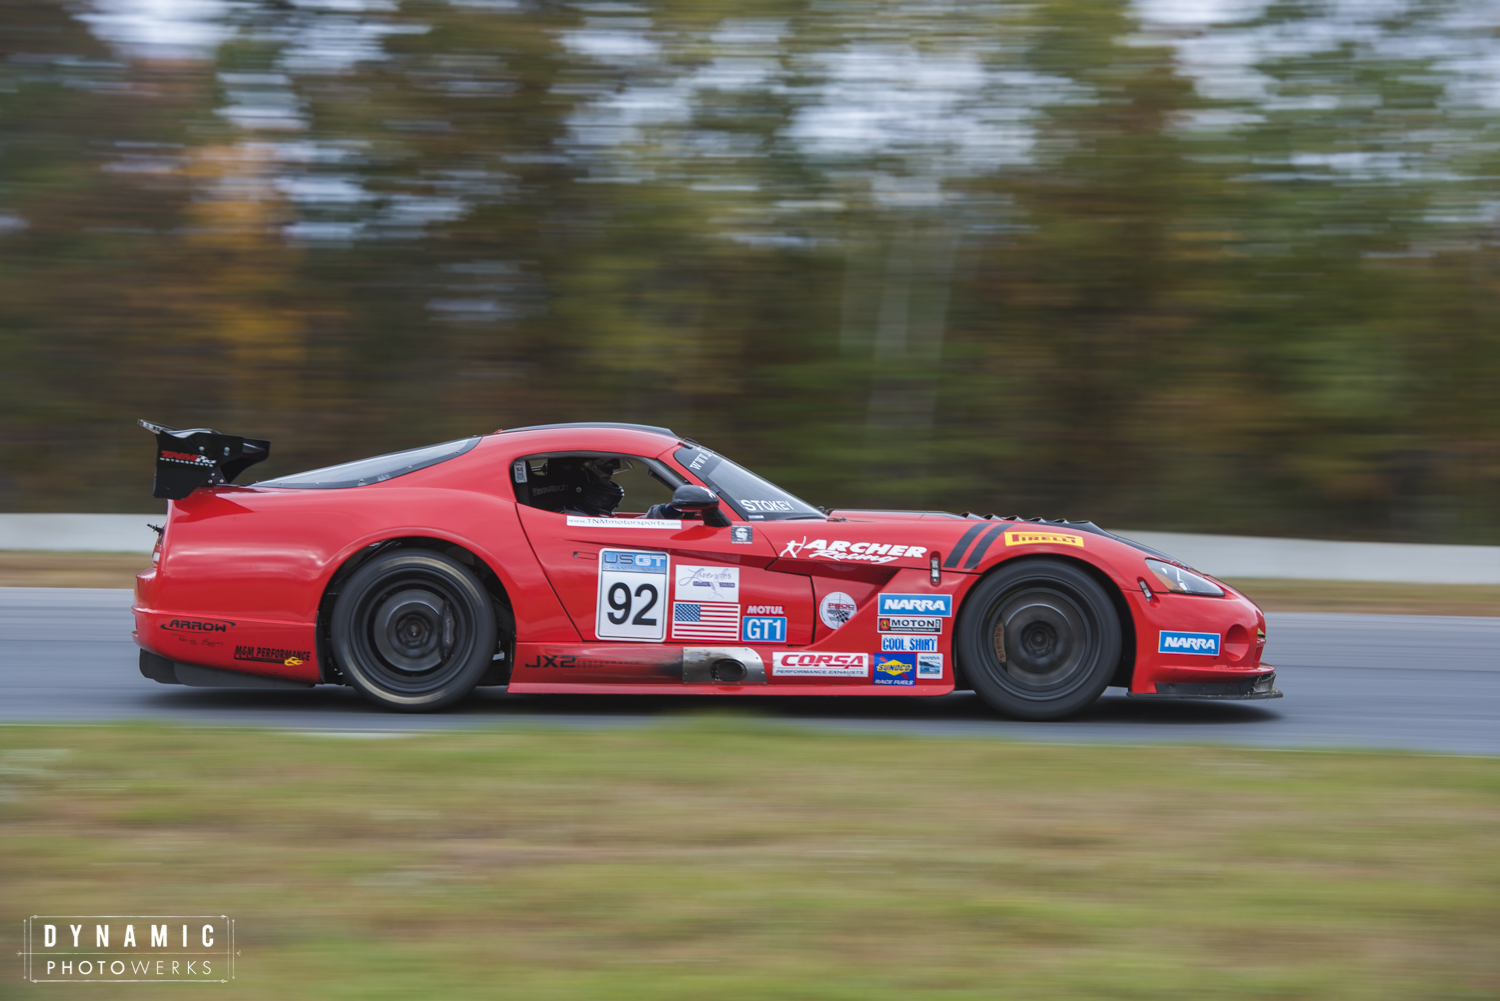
x: 592, y: 483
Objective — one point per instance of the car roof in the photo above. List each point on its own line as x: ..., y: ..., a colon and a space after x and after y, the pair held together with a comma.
x: 593, y: 424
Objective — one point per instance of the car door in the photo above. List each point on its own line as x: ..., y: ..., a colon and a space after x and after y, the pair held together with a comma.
x: 640, y: 590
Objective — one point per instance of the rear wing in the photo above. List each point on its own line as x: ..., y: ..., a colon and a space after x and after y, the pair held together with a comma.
x: 198, y: 457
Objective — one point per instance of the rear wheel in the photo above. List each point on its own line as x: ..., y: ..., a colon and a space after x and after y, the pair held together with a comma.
x: 413, y: 630
x: 1039, y: 640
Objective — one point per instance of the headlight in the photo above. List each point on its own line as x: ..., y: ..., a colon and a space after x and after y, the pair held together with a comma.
x: 1180, y: 581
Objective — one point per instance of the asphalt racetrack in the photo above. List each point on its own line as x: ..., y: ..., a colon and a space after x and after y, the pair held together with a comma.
x: 1423, y: 683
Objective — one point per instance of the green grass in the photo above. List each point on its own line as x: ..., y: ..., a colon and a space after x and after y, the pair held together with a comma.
x: 718, y: 858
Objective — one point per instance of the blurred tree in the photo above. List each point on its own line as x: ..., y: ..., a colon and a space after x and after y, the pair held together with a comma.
x: 1042, y: 258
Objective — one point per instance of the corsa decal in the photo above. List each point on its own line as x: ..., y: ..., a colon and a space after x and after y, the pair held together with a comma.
x: 821, y: 665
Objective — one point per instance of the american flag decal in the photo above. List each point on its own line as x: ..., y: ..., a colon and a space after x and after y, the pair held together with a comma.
x: 706, y: 620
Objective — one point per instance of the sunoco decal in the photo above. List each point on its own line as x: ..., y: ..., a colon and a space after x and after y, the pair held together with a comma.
x: 1202, y: 644
x: 916, y: 604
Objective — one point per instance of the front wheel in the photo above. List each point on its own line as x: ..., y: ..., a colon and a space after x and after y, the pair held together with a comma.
x: 413, y: 630
x: 1039, y: 640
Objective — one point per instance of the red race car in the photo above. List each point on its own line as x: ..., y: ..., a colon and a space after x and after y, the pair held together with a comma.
x: 506, y: 560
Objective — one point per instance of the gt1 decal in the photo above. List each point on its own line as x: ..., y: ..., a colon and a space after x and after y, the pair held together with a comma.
x: 909, y: 624
x: 582, y: 521
x: 632, y: 601
x: 821, y: 665
x: 742, y: 535
x: 763, y: 629
x: 916, y: 604
x: 895, y: 669
x: 836, y: 608
x: 899, y: 644
x: 930, y: 665
x: 1201, y: 644
x: 1019, y: 538
x: 695, y: 583
x: 862, y: 552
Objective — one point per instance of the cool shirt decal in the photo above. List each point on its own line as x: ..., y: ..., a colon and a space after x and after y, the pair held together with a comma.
x: 1201, y: 644
x: 901, y: 644
x: 860, y: 552
x: 1024, y: 538
x: 820, y: 665
x: 836, y: 608
x: 916, y: 604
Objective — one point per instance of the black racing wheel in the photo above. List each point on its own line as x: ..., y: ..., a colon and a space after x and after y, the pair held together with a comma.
x: 1038, y: 639
x: 413, y: 630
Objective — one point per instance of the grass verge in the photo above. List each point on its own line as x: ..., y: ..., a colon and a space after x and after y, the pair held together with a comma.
x: 722, y: 858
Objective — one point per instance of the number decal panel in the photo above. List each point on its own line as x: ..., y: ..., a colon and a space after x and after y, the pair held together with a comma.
x: 632, y: 595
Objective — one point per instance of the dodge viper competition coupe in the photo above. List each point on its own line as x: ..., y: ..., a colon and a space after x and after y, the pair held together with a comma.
x: 598, y: 558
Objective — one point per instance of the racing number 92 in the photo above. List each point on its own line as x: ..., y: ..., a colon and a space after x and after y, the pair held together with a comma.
x: 632, y: 584
x: 620, y: 601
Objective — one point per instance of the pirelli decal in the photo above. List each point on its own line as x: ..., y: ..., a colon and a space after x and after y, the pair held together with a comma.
x: 1027, y: 538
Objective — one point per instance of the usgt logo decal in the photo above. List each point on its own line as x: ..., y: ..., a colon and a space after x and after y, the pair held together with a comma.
x: 821, y: 665
x: 1019, y: 538
x: 1201, y: 644
x: 197, y: 626
x: 860, y: 552
x: 916, y: 604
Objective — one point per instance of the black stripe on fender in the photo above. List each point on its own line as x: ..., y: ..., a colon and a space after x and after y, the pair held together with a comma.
x: 983, y: 545
x: 963, y: 543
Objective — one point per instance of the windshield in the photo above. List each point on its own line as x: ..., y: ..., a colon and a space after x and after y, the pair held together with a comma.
x: 375, y: 470
x: 752, y: 498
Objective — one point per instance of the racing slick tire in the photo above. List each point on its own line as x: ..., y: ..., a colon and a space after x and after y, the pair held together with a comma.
x: 413, y: 630
x: 1038, y: 639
